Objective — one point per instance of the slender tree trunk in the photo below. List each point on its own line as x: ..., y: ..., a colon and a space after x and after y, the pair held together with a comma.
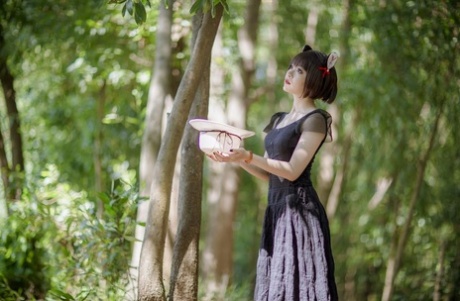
x: 158, y: 92
x: 312, y: 22
x: 99, y: 183
x: 339, y: 180
x: 150, y: 269
x: 330, y: 185
x: 395, y: 257
x: 217, y: 111
x: 4, y: 172
x: 219, y: 246
x: 184, y: 271
x: 5, y: 169
x: 439, y: 272
x: 9, y: 93
x: 183, y: 263
x: 268, y: 90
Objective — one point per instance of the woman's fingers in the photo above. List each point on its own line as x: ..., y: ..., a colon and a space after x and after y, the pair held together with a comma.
x: 232, y: 156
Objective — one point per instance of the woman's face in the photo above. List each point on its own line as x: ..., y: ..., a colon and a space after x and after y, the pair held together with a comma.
x: 294, y: 80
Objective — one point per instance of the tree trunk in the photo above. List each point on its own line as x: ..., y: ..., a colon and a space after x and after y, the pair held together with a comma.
x: 218, y: 255
x: 440, y: 272
x: 97, y: 152
x: 329, y: 188
x: 184, y: 271
x: 339, y: 180
x: 395, y: 256
x: 179, y: 265
x: 216, y: 170
x: 312, y: 22
x: 159, y: 90
x: 4, y: 169
x: 4, y: 172
x: 17, y: 164
x: 150, y: 269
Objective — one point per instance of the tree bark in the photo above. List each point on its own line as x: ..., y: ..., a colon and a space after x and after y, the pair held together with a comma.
x: 330, y: 185
x: 97, y: 151
x: 179, y: 257
x: 439, y: 272
x: 4, y: 172
x: 151, y: 285
x: 184, y: 271
x: 218, y: 263
x: 396, y: 255
x: 312, y: 22
x: 340, y: 176
x: 17, y: 164
x: 159, y: 90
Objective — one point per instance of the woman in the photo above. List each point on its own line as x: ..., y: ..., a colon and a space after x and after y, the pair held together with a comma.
x: 295, y: 259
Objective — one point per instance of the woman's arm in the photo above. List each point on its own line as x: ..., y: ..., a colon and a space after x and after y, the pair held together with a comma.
x: 303, y: 153
x: 255, y: 171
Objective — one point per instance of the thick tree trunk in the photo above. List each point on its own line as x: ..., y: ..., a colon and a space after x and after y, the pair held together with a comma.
x: 225, y: 181
x: 159, y: 90
x: 397, y: 250
x: 150, y: 269
x: 17, y: 164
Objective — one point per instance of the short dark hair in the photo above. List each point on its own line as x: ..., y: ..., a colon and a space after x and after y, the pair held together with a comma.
x: 316, y: 85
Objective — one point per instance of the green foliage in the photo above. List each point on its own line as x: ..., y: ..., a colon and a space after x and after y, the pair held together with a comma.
x: 208, y: 5
x: 59, y: 244
x: 25, y: 252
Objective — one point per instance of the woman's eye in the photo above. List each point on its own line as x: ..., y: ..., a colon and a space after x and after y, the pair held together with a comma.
x: 300, y: 71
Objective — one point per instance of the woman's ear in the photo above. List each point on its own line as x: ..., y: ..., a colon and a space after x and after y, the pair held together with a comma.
x: 306, y: 48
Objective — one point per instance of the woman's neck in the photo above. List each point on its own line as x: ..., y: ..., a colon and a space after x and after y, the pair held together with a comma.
x: 303, y: 105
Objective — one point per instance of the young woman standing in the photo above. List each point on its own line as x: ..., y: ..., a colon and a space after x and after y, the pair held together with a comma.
x: 295, y: 260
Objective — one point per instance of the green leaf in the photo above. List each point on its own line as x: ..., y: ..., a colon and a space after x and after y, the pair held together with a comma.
x: 129, y: 7
x: 104, y: 197
x: 62, y: 295
x: 197, y: 6
x: 140, y: 14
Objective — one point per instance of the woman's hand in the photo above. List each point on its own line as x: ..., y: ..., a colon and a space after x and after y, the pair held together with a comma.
x: 235, y: 155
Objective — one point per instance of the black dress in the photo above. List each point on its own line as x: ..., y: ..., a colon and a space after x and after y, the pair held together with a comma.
x: 295, y: 259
